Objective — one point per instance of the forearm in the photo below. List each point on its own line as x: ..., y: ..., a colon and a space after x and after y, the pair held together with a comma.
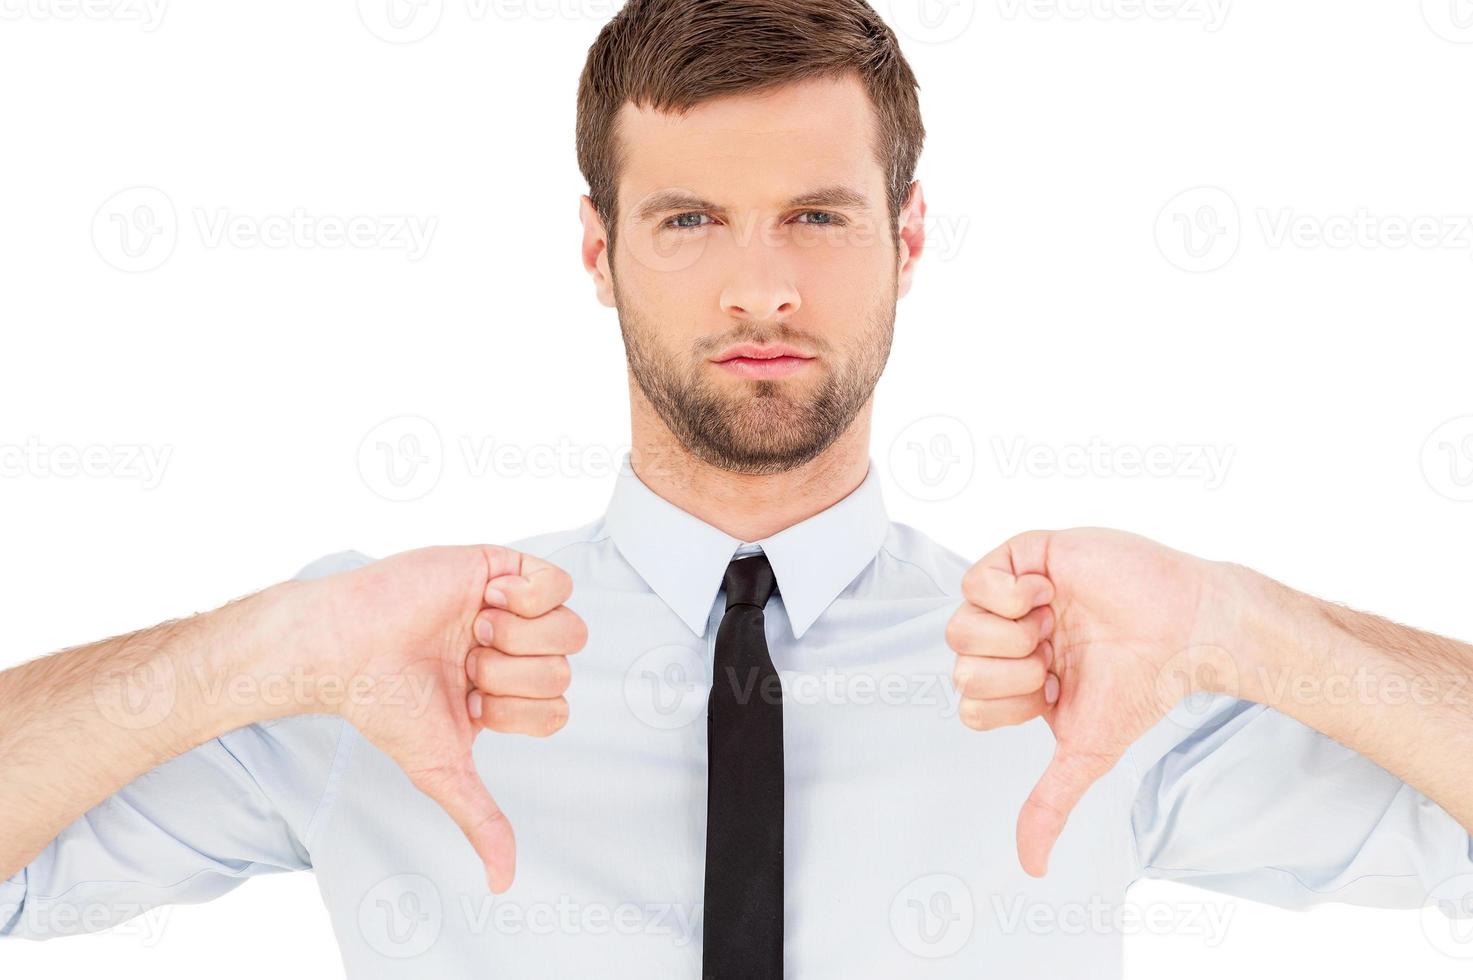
x: 1401, y: 697
x: 79, y: 724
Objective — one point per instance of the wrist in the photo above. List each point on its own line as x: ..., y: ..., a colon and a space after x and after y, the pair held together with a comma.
x: 1236, y: 637
x: 1266, y: 645
x: 281, y: 659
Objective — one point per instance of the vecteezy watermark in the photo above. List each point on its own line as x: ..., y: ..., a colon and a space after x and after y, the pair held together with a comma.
x: 42, y: 918
x: 1361, y: 686
x: 1207, y: 921
x: 144, y: 694
x: 1199, y: 229
x: 932, y: 21
x: 147, y: 14
x: 1447, y: 917
x: 138, y: 228
x: 401, y: 916
x: 136, y: 697
x: 678, y: 922
x: 933, y: 916
x: 668, y: 686
x: 933, y: 458
x: 1451, y: 20
x: 404, y: 915
x: 1447, y: 458
x: 1184, y: 461
x: 407, y: 21
x: 1211, y: 14
x: 403, y: 458
x: 1364, y: 229
x: 118, y: 461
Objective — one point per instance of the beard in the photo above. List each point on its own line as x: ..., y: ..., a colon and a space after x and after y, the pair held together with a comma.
x: 759, y: 427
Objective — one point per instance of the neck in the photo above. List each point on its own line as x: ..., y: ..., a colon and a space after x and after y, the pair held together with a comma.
x: 747, y: 507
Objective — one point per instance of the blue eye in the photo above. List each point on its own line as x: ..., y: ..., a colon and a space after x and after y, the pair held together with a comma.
x: 833, y: 219
x: 677, y: 223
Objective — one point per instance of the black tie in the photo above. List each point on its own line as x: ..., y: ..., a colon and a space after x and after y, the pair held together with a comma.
x: 743, y: 917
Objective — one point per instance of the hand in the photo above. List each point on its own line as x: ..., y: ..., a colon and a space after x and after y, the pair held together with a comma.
x: 1097, y: 631
x: 441, y: 642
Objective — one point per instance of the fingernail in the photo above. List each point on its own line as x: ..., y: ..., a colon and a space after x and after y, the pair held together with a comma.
x: 474, y: 704
x: 483, y: 630
x: 1051, y: 689
x: 496, y: 598
x: 470, y: 666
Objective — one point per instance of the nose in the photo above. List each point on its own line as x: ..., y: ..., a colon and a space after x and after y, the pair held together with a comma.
x: 760, y: 287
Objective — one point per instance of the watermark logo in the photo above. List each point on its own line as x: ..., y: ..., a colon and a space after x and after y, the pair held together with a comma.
x: 401, y: 21
x: 401, y: 916
x: 1199, y: 230
x: 1192, y: 682
x: 667, y: 687
x: 137, y: 697
x: 1447, y: 459
x: 401, y: 458
x: 933, y: 916
x: 932, y: 21
x: 136, y: 229
x: 1451, y: 20
x: 933, y: 458
x: 1447, y: 917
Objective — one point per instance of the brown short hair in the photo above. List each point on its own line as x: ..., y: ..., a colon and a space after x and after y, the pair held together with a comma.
x: 671, y: 55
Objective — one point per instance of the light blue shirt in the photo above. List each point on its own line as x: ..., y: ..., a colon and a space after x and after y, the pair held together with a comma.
x: 900, y: 820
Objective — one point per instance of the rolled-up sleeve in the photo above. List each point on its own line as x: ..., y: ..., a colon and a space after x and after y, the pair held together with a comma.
x: 248, y: 802
x: 1241, y: 799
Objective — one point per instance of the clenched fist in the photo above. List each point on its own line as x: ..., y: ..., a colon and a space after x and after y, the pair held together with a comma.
x: 1098, y: 632
x: 483, y: 630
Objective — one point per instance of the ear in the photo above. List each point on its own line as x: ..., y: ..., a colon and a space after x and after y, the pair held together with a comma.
x: 912, y: 229
x: 596, y: 250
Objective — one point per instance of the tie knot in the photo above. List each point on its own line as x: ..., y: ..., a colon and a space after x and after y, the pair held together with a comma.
x: 749, y: 581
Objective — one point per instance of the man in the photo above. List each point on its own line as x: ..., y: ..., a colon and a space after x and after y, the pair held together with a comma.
x: 756, y: 767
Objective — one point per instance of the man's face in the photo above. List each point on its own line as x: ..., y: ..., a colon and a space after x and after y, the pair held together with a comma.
x: 755, y: 274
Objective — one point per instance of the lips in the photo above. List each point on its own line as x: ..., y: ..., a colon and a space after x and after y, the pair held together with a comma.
x: 763, y: 361
x: 761, y: 352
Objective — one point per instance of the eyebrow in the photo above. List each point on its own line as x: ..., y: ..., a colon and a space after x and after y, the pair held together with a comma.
x: 833, y: 196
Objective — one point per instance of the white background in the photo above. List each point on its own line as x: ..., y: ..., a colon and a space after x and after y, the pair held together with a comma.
x: 1071, y: 148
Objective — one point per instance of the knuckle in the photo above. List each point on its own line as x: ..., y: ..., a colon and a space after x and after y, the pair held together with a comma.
x: 1011, y: 605
x: 973, y: 715
x: 486, y: 670
x: 496, y: 712
x: 562, y: 584
x: 562, y: 674
x: 580, y: 633
x: 972, y: 581
x: 957, y: 633
x: 556, y: 716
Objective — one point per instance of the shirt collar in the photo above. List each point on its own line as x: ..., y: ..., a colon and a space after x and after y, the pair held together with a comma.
x: 683, y: 559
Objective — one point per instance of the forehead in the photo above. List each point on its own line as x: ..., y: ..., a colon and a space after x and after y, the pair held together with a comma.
x: 753, y: 147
